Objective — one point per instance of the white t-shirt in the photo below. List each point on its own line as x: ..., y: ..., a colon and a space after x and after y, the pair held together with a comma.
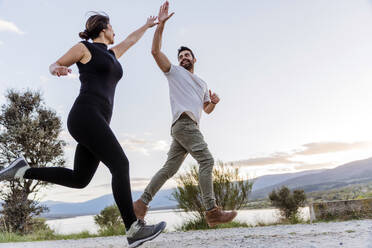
x: 187, y: 93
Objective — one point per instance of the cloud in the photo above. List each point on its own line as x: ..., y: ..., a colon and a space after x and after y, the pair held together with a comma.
x: 136, y: 184
x: 139, y: 184
x: 309, y: 149
x: 276, y: 158
x: 1, y: 42
x: 136, y: 145
x: 328, y: 147
x: 142, y: 145
x: 315, y: 166
x: 10, y: 27
x: 160, y: 145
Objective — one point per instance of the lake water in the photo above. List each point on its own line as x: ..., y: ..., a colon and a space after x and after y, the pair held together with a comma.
x: 173, y: 218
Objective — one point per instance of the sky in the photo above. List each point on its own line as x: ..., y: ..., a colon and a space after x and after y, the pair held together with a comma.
x: 294, y: 78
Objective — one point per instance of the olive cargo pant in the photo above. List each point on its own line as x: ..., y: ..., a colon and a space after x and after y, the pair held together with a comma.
x: 187, y: 138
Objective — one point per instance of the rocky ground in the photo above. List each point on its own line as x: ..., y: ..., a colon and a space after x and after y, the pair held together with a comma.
x: 353, y: 234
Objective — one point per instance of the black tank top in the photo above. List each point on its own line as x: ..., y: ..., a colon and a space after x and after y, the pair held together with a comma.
x: 101, y: 74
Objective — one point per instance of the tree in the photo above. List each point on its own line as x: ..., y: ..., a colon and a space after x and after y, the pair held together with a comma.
x: 287, y: 202
x: 30, y: 129
x: 230, y: 188
x: 109, y: 221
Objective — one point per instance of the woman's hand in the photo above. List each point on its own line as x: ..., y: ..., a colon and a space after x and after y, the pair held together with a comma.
x: 151, y: 21
x: 59, y: 70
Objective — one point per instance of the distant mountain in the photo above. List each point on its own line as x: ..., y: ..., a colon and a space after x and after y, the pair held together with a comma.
x: 64, y: 209
x: 269, y: 180
x: 350, y: 173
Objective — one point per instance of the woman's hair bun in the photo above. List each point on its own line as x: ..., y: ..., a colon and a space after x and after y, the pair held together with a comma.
x: 94, y: 25
x: 84, y: 35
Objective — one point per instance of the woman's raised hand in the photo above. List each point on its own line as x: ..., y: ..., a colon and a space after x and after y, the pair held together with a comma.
x: 151, y: 21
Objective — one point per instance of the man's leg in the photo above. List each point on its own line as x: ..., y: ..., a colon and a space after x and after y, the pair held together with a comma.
x: 189, y: 136
x: 176, y: 156
x: 187, y: 133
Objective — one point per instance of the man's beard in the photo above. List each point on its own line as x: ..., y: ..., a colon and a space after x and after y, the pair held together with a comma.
x: 187, y: 65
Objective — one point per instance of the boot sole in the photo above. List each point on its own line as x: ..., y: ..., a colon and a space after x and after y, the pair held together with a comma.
x: 213, y: 224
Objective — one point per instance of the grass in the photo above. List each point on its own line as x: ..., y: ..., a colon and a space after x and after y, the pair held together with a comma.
x: 201, y: 224
x: 42, y: 235
x: 51, y: 235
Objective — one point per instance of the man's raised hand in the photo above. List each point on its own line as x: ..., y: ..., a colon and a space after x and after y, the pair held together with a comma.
x: 163, y: 13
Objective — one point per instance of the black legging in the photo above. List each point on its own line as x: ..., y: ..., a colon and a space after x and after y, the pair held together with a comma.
x: 88, y: 122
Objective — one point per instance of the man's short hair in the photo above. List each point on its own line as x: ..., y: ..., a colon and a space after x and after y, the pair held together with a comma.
x: 183, y: 48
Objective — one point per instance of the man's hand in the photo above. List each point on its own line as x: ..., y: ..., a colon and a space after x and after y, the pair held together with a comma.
x: 151, y: 21
x: 209, y: 106
x: 163, y: 13
x: 214, y: 97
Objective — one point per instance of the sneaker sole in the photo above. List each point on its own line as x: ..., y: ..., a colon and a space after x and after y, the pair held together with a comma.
x: 11, y: 166
x: 140, y: 242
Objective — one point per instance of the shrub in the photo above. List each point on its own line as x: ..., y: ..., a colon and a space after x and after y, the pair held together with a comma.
x: 110, y: 222
x: 231, y: 191
x: 288, y: 203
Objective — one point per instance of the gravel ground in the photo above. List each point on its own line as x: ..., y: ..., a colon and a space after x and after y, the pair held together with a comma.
x: 353, y: 234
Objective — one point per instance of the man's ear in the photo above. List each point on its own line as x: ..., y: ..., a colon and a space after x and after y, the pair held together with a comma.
x: 194, y: 60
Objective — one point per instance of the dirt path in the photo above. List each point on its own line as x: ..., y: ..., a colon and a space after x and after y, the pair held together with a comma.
x: 353, y: 234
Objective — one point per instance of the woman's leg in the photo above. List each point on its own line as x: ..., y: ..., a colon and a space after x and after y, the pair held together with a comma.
x: 85, y: 165
x: 92, y: 130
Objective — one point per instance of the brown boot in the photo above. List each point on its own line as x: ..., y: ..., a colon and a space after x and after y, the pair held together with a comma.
x: 217, y: 216
x: 140, y: 209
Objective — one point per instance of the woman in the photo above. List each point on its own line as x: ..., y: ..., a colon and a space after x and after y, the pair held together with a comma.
x: 89, y: 119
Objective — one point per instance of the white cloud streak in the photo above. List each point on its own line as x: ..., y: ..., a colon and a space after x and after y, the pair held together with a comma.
x: 6, y: 26
x: 316, y: 148
x: 142, y: 145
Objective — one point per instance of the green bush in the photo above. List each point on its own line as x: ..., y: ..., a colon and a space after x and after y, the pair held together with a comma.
x: 110, y: 222
x: 288, y: 203
x: 230, y: 189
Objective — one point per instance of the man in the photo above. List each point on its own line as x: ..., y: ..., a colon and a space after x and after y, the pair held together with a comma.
x: 189, y: 96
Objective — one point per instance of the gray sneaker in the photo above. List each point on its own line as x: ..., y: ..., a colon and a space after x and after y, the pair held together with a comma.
x: 15, y: 170
x: 139, y: 232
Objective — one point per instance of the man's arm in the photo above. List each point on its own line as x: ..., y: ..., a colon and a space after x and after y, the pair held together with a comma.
x: 160, y: 58
x: 209, y: 106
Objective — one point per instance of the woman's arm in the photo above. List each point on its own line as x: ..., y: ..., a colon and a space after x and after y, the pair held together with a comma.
x: 75, y: 54
x: 132, y: 39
